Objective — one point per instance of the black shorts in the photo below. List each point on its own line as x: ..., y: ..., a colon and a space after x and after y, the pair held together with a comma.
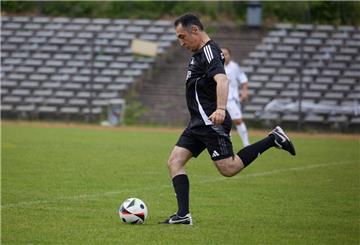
x: 215, y: 138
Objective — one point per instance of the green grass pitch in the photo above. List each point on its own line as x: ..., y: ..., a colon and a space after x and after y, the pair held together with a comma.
x: 63, y: 185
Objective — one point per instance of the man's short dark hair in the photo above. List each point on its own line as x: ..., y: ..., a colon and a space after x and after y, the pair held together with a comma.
x: 187, y: 20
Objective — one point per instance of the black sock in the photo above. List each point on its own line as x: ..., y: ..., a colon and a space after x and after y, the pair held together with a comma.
x: 251, y: 152
x: 181, y: 186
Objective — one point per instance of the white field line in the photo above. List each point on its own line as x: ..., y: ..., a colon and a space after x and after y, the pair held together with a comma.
x: 110, y: 193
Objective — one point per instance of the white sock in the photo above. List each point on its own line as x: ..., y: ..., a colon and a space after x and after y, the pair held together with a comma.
x: 241, y: 129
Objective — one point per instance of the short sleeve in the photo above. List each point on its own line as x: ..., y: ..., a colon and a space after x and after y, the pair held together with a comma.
x: 214, y: 61
x: 241, y: 77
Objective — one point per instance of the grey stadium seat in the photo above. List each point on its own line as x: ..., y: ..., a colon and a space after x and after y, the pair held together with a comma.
x: 47, y: 109
x: 314, y: 118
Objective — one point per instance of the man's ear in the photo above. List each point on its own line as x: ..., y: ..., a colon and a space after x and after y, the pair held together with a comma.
x: 194, y: 29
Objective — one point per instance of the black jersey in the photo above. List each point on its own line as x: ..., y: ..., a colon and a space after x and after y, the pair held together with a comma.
x: 201, y: 86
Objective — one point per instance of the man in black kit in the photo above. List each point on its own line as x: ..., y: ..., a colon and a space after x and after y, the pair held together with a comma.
x: 210, y: 123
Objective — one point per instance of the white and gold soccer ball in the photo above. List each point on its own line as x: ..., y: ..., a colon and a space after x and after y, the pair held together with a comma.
x: 133, y: 211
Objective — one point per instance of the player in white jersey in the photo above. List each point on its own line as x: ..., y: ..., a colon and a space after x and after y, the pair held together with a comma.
x: 236, y: 76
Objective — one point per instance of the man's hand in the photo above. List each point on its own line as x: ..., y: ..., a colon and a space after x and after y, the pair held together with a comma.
x: 244, y: 97
x: 218, y: 116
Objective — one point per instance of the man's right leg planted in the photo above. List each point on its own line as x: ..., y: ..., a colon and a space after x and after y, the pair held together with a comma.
x: 176, y: 164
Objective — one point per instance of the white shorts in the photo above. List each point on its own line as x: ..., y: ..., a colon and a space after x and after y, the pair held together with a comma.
x: 234, y: 109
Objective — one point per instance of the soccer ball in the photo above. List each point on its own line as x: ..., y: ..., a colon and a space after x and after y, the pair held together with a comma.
x: 133, y: 211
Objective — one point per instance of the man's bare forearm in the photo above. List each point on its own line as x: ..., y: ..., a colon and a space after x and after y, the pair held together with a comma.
x: 222, y: 89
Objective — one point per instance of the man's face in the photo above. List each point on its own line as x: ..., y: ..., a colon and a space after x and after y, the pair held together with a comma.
x: 188, y: 37
x: 226, y: 55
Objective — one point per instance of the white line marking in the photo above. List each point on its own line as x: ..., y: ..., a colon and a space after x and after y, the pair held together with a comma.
x: 110, y: 193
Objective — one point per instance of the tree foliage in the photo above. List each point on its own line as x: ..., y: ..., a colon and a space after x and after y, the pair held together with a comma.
x: 329, y: 12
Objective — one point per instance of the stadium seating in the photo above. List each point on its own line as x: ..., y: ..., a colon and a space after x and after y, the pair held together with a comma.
x: 73, y: 67
x: 324, y: 58
x: 62, y: 67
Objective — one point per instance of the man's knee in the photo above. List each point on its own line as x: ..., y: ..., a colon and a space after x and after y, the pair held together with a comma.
x: 226, y: 172
x: 237, y: 121
x: 230, y: 166
x: 176, y: 163
x: 172, y: 162
x: 177, y: 160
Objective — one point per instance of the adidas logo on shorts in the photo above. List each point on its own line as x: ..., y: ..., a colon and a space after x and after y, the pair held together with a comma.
x: 215, y: 154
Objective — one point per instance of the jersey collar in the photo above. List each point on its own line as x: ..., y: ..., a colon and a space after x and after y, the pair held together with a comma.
x: 201, y: 49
